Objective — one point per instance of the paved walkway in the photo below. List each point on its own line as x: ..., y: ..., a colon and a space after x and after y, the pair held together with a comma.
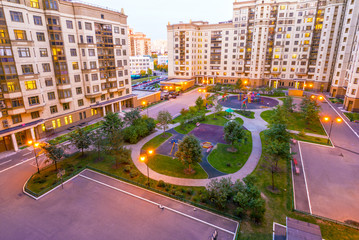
x: 255, y: 126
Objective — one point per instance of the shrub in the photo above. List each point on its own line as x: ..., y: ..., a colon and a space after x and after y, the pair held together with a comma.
x: 133, y: 173
x: 127, y: 169
x: 130, y: 134
x: 179, y: 194
x: 161, y: 183
x: 189, y: 191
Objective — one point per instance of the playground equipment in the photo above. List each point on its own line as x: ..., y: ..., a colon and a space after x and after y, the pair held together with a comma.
x: 207, y: 145
x: 173, y: 142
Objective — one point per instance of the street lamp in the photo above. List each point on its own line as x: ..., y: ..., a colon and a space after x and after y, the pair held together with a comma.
x: 35, y: 145
x: 337, y: 120
x: 144, y: 103
x: 145, y: 158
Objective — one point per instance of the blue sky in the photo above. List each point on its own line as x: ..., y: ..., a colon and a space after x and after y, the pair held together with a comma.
x: 151, y: 17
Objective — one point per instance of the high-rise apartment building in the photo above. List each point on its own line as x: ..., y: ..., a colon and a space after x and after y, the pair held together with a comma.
x: 62, y: 63
x: 293, y: 43
x: 139, y: 44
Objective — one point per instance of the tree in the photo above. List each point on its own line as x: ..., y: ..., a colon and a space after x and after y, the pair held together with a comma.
x: 217, y: 109
x: 288, y: 104
x: 234, y: 133
x: 115, y: 145
x: 309, y: 109
x: 112, y: 123
x: 81, y: 139
x: 219, y: 191
x: 97, y: 140
x: 53, y: 153
x: 149, y: 71
x: 164, y: 118
x: 143, y: 73
x: 189, y: 151
x: 199, y: 103
x: 279, y: 116
x: 239, y: 85
x: 132, y: 116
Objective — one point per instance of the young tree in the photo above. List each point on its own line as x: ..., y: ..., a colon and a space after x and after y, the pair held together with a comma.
x: 233, y: 133
x: 164, y: 118
x: 81, y: 139
x: 189, y: 151
x: 217, y: 109
x: 112, y: 123
x: 219, y: 191
x: 149, y: 71
x: 277, y: 132
x: 288, y: 104
x: 239, y: 85
x: 115, y: 145
x: 53, y: 153
x: 143, y: 73
x: 132, y: 116
x: 278, y: 116
x: 199, y: 103
x: 309, y: 110
x: 98, y: 140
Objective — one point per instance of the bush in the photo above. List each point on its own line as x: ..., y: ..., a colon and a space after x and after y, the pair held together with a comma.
x: 130, y: 134
x: 189, y: 191
x: 245, y: 113
x: 127, y: 169
x: 179, y: 194
x: 133, y: 173
x: 161, y: 183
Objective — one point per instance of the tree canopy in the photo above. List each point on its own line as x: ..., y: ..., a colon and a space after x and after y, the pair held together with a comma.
x: 164, y: 118
x: 81, y: 139
x: 233, y: 133
x: 189, y: 151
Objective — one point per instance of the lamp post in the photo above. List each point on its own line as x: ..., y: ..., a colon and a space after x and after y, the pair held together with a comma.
x: 144, y: 103
x: 35, y: 145
x: 145, y: 158
x: 327, y: 119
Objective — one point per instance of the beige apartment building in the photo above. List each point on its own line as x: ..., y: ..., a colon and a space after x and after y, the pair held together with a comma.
x: 139, y: 44
x: 301, y: 44
x: 62, y: 63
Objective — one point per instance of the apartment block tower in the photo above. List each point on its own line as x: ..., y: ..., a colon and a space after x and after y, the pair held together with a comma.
x: 139, y: 44
x: 62, y: 63
x: 304, y: 44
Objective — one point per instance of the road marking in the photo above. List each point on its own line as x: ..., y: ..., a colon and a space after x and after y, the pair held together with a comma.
x: 16, y: 164
x: 291, y: 168
x: 305, y: 178
x: 5, y: 162
x: 26, y: 154
x: 157, y: 204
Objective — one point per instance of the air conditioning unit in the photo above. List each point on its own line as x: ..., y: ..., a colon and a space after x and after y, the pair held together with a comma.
x: 5, y: 123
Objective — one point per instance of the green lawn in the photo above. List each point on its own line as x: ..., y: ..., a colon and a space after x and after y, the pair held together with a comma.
x: 216, y: 119
x: 173, y: 167
x: 336, y: 100
x: 352, y: 116
x: 245, y: 113
x: 296, y: 122
x: 239, y: 120
x: 311, y: 139
x: 229, y: 162
x: 156, y: 141
x: 186, y: 128
x: 142, y: 79
x: 279, y: 205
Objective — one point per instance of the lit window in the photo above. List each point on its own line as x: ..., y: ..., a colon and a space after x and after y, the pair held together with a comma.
x: 294, y: 56
x: 29, y: 85
x: 307, y: 35
x: 58, y: 122
x: 34, y: 3
x: 288, y: 35
x: 275, y: 69
x: 54, y: 124
x: 276, y: 56
x: 70, y: 119
x: 309, y: 19
x: 282, y: 7
x: 66, y: 121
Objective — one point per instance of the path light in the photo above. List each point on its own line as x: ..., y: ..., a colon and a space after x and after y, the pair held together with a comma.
x: 321, y: 98
x: 35, y: 145
x: 312, y: 97
x: 337, y: 120
x: 145, y: 158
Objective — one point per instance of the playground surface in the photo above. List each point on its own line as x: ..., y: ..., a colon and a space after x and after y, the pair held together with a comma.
x: 259, y: 103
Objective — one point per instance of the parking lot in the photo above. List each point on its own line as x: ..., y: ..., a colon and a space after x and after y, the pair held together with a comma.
x: 94, y: 206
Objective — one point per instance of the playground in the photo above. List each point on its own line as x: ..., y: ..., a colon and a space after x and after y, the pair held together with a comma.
x: 250, y: 100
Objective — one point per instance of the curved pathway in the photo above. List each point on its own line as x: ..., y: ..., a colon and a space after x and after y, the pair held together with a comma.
x: 255, y: 126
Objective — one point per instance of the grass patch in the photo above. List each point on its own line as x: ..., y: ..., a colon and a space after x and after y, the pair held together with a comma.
x: 156, y: 141
x: 311, y: 139
x: 186, y: 128
x: 173, y: 167
x: 229, y: 162
x: 134, y: 81
x: 279, y: 205
x: 245, y: 113
x: 296, y: 122
x: 352, y: 116
x: 336, y: 100
x: 239, y: 120
x: 216, y: 119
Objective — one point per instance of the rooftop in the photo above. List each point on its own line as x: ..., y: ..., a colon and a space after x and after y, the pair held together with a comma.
x: 143, y: 93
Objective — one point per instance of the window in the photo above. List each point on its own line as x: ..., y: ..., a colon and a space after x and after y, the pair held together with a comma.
x: 92, y: 100
x: 80, y: 102
x: 93, y: 65
x: 66, y: 106
x: 96, y: 88
x: 91, y: 52
x: 78, y: 90
x: 27, y: 69
x: 16, y: 16
x: 122, y: 31
x: 77, y: 78
x: 40, y: 37
x: 88, y: 26
x: 353, y: 91
x: 34, y: 3
x: 43, y: 52
x: 65, y: 93
x: 20, y: 35
x: 94, y: 76
x: 75, y: 65
x: 51, y: 4
x: 35, y: 115
x: 33, y: 100
x: 71, y: 38
x: 30, y: 85
x: 73, y: 52
x: 89, y: 39
x: 69, y: 24
x: 24, y: 52
x: 79, y: 24
x: 16, y: 119
x: 51, y: 95
x: 37, y: 20
x: 48, y: 82
x: 53, y: 109
x: 46, y: 67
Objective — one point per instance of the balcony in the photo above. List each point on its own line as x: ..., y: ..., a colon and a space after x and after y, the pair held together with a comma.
x: 22, y: 43
x: 12, y: 95
x: 31, y: 108
x: 66, y: 100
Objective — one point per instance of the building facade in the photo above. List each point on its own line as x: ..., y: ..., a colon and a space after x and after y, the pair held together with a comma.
x: 302, y: 44
x: 62, y: 63
x: 139, y: 44
x: 162, y: 60
x: 159, y: 46
x: 140, y: 63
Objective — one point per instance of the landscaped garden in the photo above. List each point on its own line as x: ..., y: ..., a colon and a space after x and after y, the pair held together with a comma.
x: 245, y: 113
x: 352, y: 116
